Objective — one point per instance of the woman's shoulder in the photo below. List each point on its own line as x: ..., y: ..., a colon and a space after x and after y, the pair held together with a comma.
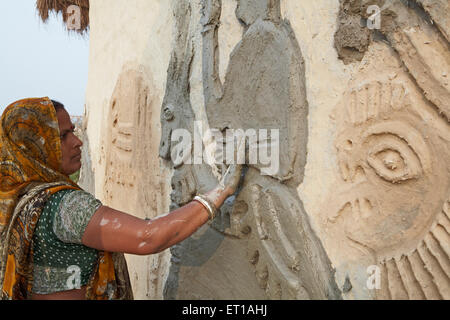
x: 76, y: 199
x: 72, y: 195
x: 73, y: 210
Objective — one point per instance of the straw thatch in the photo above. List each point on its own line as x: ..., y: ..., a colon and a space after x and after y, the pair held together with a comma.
x: 44, y: 8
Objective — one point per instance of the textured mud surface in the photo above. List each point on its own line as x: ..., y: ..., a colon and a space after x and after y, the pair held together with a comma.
x: 364, y: 138
x: 264, y: 88
x: 392, y: 121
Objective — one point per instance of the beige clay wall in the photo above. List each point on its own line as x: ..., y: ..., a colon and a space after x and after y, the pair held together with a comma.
x: 360, y: 197
x: 129, y: 53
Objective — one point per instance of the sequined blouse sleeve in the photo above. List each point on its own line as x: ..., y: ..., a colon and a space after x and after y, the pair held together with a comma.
x: 75, y: 211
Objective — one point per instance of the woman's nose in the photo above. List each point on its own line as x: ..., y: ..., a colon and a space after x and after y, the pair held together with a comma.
x: 78, y: 142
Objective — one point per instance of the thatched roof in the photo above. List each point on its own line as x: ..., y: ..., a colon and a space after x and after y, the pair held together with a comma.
x: 44, y: 8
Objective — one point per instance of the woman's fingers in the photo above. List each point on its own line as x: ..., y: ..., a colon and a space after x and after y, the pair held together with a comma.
x: 232, y: 177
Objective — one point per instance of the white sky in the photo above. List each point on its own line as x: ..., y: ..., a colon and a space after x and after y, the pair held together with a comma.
x: 38, y: 59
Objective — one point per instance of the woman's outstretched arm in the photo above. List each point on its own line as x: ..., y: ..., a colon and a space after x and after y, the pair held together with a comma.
x: 115, y: 231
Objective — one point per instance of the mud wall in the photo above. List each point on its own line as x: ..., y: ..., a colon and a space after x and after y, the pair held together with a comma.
x: 357, y: 207
x: 129, y: 53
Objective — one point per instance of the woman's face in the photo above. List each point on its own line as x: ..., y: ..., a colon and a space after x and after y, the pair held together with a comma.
x: 70, y: 144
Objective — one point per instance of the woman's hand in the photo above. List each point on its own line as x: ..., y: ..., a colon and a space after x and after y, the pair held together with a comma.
x: 227, y: 185
x: 231, y: 178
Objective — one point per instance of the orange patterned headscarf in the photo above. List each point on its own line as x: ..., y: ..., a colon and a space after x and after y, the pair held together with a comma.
x: 30, y: 160
x: 30, y: 149
x: 30, y: 155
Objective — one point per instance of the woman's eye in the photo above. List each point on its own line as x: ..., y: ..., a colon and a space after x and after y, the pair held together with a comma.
x: 66, y: 134
x: 393, y: 159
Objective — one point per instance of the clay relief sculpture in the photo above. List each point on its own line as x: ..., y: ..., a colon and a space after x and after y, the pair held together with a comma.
x: 130, y: 170
x: 415, y: 29
x: 391, y: 208
x: 177, y: 113
x: 188, y: 179
x: 122, y: 138
x: 422, y: 47
x: 264, y: 88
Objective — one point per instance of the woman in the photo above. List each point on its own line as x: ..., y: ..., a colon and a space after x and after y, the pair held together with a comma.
x: 59, y: 242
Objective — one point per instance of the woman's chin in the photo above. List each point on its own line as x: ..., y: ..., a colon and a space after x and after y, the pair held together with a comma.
x: 78, y: 167
x: 72, y: 170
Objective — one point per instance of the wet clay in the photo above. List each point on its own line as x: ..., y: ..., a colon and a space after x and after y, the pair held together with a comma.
x: 266, y: 225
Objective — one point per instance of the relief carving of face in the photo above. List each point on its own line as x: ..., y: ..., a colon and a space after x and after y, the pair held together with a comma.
x: 395, y: 167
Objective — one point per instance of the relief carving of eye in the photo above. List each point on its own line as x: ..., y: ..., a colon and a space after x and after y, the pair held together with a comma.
x: 168, y: 113
x: 393, y: 159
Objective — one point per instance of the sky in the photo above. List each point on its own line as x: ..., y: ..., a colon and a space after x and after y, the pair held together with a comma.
x: 38, y: 60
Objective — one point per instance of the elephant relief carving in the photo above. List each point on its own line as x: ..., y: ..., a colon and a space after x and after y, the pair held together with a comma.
x: 177, y: 114
x: 188, y: 178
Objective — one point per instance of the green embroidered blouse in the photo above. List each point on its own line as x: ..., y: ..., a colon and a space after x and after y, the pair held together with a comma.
x: 61, y: 261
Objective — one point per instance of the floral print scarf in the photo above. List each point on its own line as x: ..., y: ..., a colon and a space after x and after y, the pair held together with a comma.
x: 30, y: 159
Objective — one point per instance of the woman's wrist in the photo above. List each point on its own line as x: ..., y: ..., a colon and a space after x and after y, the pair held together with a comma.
x: 218, y: 196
